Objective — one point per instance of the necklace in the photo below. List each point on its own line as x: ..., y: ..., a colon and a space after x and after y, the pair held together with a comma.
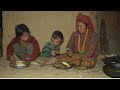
x: 83, y: 46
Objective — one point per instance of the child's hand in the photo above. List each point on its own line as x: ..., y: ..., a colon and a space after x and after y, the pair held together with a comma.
x: 53, y: 53
x: 48, y: 62
x: 78, y: 56
x: 12, y: 60
x: 27, y: 59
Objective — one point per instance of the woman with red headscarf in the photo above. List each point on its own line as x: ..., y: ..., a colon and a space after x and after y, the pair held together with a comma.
x: 84, y: 42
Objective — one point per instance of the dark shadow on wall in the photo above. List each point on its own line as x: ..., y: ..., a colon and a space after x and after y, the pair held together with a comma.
x: 104, y: 43
x: 1, y: 35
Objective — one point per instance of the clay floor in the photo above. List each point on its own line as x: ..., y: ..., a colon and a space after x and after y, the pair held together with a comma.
x: 49, y: 72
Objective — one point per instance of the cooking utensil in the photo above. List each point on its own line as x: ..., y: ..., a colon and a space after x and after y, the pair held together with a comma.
x: 111, y: 72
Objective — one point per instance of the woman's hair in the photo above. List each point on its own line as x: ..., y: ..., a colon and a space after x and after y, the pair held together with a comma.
x: 57, y: 34
x: 20, y: 29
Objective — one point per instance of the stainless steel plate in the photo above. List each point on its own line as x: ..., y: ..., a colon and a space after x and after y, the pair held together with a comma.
x: 20, y: 64
x: 60, y: 66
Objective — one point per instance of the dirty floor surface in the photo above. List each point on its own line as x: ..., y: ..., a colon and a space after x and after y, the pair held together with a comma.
x: 35, y: 71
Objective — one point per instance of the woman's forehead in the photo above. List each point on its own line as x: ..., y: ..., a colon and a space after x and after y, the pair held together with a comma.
x: 80, y: 23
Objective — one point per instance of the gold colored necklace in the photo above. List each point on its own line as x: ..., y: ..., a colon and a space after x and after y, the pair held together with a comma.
x: 83, y: 46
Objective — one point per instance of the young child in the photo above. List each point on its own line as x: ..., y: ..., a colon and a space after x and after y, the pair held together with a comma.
x: 24, y: 45
x: 51, y: 49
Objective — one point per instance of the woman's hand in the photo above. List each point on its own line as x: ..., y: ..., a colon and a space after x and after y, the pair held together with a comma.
x: 78, y: 56
x: 69, y: 53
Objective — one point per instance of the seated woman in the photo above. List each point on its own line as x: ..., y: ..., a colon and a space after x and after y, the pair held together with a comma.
x: 84, y: 42
x: 24, y: 46
x: 81, y: 49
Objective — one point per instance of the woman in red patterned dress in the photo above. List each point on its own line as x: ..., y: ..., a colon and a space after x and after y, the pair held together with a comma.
x: 84, y: 42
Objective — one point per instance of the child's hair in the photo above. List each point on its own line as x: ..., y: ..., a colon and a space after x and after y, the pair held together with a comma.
x: 20, y: 29
x: 57, y: 34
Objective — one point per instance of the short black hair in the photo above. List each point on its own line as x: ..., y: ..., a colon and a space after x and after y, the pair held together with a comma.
x: 57, y: 34
x: 20, y: 29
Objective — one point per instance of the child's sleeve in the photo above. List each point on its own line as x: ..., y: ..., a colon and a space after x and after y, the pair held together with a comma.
x: 46, y: 51
x: 9, y: 50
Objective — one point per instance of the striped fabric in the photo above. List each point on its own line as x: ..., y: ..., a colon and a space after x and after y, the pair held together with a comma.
x: 22, y: 51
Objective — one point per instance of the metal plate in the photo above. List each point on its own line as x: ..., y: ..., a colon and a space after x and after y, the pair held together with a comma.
x: 20, y: 64
x: 61, y: 66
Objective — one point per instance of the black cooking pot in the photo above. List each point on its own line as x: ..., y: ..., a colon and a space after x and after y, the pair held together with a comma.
x: 113, y: 62
x: 107, y: 60
x: 112, y: 66
x: 111, y: 72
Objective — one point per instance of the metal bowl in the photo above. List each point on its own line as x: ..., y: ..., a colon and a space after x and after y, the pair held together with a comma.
x: 20, y: 64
